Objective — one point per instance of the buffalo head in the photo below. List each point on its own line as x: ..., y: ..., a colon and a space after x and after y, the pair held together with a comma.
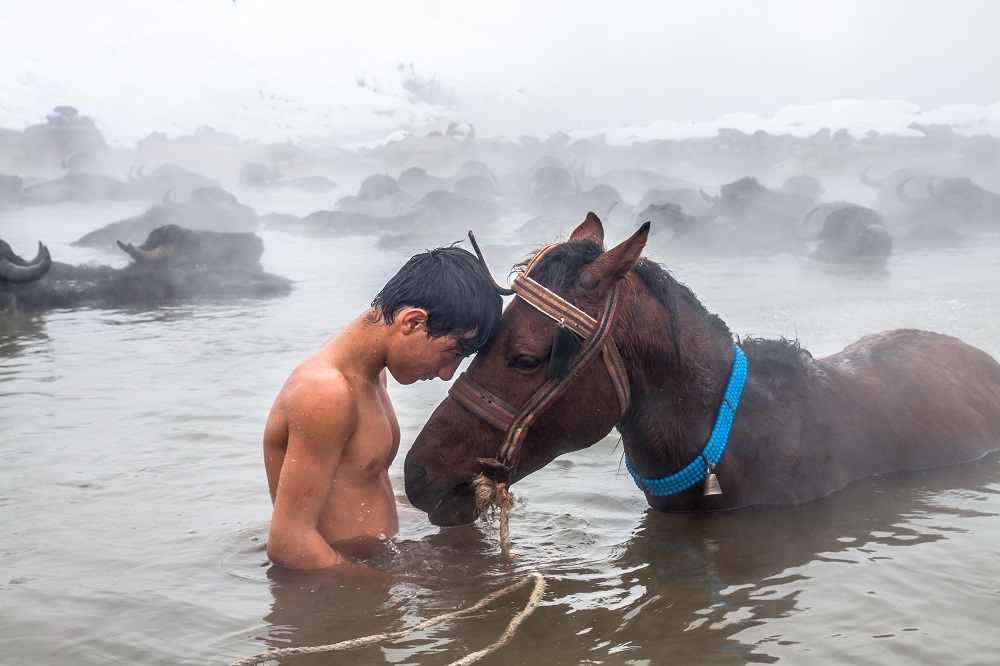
x: 175, y: 246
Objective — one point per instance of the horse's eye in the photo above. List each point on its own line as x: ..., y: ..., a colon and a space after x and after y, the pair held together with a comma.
x: 525, y: 362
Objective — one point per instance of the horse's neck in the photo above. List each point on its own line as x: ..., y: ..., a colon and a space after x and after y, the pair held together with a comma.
x: 677, y: 385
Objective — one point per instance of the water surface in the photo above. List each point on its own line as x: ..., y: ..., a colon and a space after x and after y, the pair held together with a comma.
x: 134, y: 504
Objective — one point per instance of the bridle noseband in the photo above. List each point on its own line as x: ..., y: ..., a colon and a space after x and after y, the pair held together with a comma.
x: 596, y: 337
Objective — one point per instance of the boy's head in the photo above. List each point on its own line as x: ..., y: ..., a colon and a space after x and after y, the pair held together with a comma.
x: 453, y: 286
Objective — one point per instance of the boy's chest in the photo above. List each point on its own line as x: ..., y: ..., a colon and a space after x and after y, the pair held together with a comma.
x: 376, y: 439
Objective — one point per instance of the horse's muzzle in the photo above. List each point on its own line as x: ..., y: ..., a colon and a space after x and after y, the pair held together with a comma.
x: 455, y: 505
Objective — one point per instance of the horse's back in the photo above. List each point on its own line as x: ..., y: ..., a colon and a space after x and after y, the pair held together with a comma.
x: 943, y: 357
x: 927, y: 387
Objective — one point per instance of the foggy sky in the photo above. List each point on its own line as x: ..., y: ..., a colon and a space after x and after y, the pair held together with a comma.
x: 517, y: 67
x: 633, y: 62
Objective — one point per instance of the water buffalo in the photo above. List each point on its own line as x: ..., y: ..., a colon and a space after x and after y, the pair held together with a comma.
x: 603, y: 198
x: 847, y: 234
x: 379, y: 195
x: 547, y: 177
x: 176, y: 246
x: 805, y: 185
x: 437, y: 214
x: 334, y: 223
x: 77, y: 186
x: 171, y: 179
x: 671, y: 226
x: 473, y: 168
x: 757, y: 218
x: 634, y: 184
x: 173, y: 264
x: 690, y: 199
x: 417, y: 182
x: 888, y: 186
x: 957, y: 203
x: 481, y: 188
x: 256, y: 175
x: 438, y: 211
x: 64, y: 134
x: 552, y: 181
x: 208, y: 208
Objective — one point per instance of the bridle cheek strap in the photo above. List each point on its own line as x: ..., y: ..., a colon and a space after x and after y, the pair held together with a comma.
x: 515, y: 423
x: 619, y: 378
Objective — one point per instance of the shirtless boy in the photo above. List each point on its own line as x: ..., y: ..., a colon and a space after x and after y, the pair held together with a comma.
x: 332, y: 432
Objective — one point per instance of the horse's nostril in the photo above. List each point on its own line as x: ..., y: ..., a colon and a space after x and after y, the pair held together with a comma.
x: 414, y: 475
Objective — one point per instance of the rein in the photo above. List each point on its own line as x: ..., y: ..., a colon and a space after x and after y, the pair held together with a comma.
x: 596, y: 334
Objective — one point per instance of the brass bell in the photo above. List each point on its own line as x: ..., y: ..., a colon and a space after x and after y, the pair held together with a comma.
x: 711, y: 483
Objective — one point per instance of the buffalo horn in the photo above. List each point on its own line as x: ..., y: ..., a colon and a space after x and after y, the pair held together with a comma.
x: 607, y: 211
x: 904, y: 197
x: 870, y: 182
x: 934, y: 187
x: 29, y: 271
x: 159, y: 253
x: 666, y: 232
x: 707, y: 197
x: 810, y: 230
x: 210, y: 196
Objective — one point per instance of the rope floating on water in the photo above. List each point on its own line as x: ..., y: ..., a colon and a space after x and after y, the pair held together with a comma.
x: 529, y: 608
x: 515, y: 622
x: 491, y: 495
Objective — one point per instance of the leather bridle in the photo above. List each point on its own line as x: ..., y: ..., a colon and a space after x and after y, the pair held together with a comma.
x: 596, y: 337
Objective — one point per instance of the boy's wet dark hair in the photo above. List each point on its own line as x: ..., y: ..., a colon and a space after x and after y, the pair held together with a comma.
x: 455, y: 289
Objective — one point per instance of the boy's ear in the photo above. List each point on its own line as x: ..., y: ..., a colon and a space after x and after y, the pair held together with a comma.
x: 412, y: 319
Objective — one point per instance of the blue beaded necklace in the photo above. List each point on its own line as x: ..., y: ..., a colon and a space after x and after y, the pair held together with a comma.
x: 709, y: 456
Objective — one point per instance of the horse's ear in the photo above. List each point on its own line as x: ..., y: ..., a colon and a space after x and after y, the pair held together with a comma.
x: 612, y: 266
x: 589, y: 229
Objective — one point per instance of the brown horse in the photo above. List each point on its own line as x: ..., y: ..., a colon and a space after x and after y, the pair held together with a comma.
x: 673, y: 380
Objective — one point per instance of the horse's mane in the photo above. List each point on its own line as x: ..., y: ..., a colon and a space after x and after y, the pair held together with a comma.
x: 668, y: 290
x: 562, y: 263
x: 781, y: 358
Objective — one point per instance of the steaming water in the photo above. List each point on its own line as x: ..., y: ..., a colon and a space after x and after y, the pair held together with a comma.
x: 135, y: 509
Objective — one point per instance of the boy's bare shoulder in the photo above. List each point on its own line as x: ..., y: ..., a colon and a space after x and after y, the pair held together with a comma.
x: 312, y: 381
x: 317, y: 407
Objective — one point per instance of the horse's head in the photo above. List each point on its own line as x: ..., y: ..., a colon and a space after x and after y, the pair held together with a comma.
x: 539, y: 388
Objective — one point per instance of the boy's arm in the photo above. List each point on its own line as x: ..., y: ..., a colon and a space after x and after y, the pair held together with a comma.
x: 321, y: 420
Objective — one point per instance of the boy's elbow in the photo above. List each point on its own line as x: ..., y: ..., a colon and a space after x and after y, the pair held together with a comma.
x: 292, y: 551
x: 278, y: 551
x: 284, y: 549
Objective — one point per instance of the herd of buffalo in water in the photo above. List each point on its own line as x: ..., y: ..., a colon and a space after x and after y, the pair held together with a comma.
x: 830, y: 197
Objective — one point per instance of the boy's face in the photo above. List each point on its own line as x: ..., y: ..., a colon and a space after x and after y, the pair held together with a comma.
x: 419, y: 356
x: 442, y: 355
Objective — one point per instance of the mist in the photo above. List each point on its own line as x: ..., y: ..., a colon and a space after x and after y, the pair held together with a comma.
x: 296, y: 70
x: 632, y: 105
